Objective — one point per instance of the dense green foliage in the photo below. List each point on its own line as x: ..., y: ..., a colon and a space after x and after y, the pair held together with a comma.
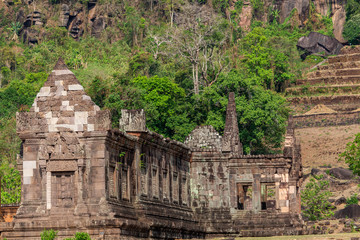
x: 314, y: 199
x: 351, y: 155
x: 351, y: 30
x: 80, y: 236
x: 147, y: 58
x: 48, y: 234
x: 10, y: 184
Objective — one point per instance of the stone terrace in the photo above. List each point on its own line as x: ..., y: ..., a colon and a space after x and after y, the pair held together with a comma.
x: 333, y: 89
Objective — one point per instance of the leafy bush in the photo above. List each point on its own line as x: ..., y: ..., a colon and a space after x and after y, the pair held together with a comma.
x: 352, y: 200
x: 10, y: 184
x: 315, y: 200
x: 48, y: 234
x: 80, y: 236
x: 351, y: 155
x: 352, y: 30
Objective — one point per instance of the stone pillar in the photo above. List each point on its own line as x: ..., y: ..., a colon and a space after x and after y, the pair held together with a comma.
x: 80, y: 208
x: 277, y: 192
x: 256, y: 195
x: 137, y: 165
x: 42, y: 165
x: 292, y: 199
x: 48, y: 190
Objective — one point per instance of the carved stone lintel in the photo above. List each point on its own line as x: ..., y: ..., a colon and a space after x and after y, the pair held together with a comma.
x: 62, y: 166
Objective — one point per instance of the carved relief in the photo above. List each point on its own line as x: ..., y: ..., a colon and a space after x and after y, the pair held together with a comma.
x: 64, y: 145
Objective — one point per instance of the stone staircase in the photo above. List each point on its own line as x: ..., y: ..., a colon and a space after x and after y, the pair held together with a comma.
x: 331, y: 92
x: 245, y: 224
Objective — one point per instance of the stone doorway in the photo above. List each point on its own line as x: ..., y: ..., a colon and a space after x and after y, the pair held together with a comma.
x: 62, y: 191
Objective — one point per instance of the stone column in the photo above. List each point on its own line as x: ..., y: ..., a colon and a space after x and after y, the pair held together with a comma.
x: 136, y: 166
x: 42, y: 165
x: 277, y: 192
x: 48, y: 190
x: 256, y: 196
x: 80, y: 208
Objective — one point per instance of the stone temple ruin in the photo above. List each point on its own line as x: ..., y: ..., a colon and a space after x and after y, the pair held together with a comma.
x: 78, y: 174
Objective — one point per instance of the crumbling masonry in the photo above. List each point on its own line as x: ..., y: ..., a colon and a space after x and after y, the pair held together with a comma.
x: 80, y: 175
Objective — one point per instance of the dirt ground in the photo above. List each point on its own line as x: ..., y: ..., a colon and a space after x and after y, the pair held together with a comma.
x: 321, y: 146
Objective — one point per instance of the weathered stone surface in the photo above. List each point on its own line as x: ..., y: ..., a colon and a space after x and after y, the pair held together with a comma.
x: 287, y: 6
x: 341, y: 173
x: 351, y: 211
x: 98, y: 25
x: 246, y: 16
x: 317, y: 42
x: 231, y: 141
x: 204, y: 138
x: 64, y: 15
x: 132, y: 120
x: 33, y: 18
x: 340, y: 201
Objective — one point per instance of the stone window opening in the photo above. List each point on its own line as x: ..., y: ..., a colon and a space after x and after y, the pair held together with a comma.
x: 175, y: 188
x: 112, y: 182
x: 166, y: 184
x: 155, y: 182
x: 125, y: 184
x: 244, y: 196
x: 184, y: 191
x: 268, y: 196
x: 144, y: 175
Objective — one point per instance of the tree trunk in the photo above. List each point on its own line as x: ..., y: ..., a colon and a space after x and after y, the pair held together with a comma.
x: 196, y: 78
x: 171, y: 17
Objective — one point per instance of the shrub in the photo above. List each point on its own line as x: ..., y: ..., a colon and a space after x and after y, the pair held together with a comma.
x: 315, y: 200
x: 80, y: 236
x: 352, y: 30
x: 351, y: 155
x: 352, y: 200
x: 48, y: 234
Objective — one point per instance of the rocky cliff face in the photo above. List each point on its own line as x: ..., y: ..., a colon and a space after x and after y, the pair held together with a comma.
x: 92, y: 17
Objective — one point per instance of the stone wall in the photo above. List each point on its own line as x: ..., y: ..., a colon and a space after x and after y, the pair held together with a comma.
x: 327, y: 119
x: 204, y: 137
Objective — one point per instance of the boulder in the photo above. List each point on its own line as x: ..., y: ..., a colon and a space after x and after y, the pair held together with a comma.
x: 351, y: 211
x: 339, y: 18
x: 64, y: 15
x: 20, y: 16
x: 33, y: 18
x: 317, y: 42
x: 302, y: 7
x: 30, y: 36
x: 246, y: 16
x: 340, y: 201
x: 341, y: 173
x: 99, y: 24
x: 314, y: 171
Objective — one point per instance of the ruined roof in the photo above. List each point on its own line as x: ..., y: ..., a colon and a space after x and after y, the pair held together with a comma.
x: 231, y: 141
x: 63, y: 105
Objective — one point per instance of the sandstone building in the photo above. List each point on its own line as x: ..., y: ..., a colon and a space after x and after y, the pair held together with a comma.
x: 80, y: 175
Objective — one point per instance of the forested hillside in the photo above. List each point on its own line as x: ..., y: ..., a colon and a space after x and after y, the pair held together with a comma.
x: 177, y: 59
